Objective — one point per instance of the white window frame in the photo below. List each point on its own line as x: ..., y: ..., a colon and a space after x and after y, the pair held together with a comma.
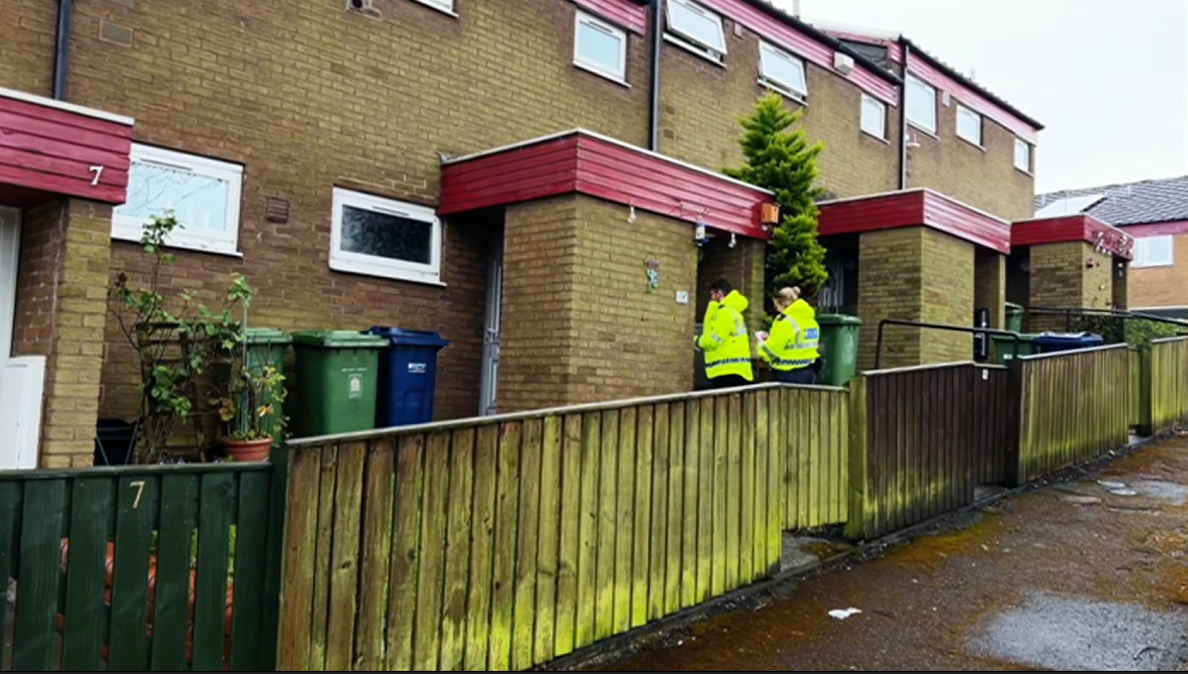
x: 1030, y: 161
x: 675, y: 34
x: 1142, y: 250
x: 368, y: 265
x: 583, y: 19
x: 129, y: 228
x: 770, y: 51
x: 969, y: 114
x: 922, y: 125
x: 443, y: 6
x: 867, y: 99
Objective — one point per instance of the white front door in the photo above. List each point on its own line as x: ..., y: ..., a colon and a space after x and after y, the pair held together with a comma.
x: 22, y: 379
x: 489, y: 397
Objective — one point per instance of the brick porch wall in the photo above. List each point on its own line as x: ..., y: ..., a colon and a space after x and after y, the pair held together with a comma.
x: 990, y: 285
x: 61, y: 312
x: 1061, y: 277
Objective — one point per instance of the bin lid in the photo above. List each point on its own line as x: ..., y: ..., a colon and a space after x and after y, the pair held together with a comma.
x: 1023, y: 337
x: 266, y: 336
x: 1012, y: 307
x: 402, y: 337
x: 339, y: 339
x: 1064, y: 337
x: 838, y: 319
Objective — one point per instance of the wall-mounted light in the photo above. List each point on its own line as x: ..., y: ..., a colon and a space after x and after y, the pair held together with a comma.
x: 733, y: 240
x: 700, y: 236
x: 631, y: 215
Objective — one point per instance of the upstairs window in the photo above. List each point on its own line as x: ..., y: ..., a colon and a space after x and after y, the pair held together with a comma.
x: 203, y: 194
x: 969, y: 125
x: 446, y: 6
x: 600, y: 48
x: 1154, y: 251
x: 782, y: 71
x: 874, y: 117
x: 697, y: 27
x: 1022, y: 155
x: 921, y: 104
x: 381, y: 237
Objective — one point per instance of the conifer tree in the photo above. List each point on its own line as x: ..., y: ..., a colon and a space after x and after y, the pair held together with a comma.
x: 779, y: 157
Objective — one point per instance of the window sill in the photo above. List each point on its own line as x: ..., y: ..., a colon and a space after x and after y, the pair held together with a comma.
x: 603, y: 74
x: 971, y: 143
x: 1025, y: 172
x: 437, y: 8
x: 931, y: 134
x: 882, y: 139
x: 347, y: 267
x: 702, y: 52
x: 800, y: 99
x: 1166, y: 265
x: 228, y: 251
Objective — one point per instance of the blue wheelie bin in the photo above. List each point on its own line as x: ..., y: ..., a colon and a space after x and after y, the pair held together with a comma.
x: 408, y: 376
x: 1051, y: 342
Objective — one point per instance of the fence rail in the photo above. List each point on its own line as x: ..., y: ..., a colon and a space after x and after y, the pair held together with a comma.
x: 155, y: 568
x: 502, y: 544
x: 1075, y: 406
x: 1168, y: 376
x: 927, y: 437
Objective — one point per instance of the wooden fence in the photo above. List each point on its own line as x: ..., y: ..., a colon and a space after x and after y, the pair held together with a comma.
x: 153, y: 568
x: 1166, y: 368
x: 1075, y: 406
x: 922, y: 439
x: 502, y: 543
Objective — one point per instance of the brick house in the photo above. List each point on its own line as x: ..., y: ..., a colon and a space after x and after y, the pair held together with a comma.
x: 535, y: 160
x: 1155, y: 213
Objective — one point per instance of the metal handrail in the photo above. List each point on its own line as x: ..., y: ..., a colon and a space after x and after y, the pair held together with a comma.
x: 1015, y: 337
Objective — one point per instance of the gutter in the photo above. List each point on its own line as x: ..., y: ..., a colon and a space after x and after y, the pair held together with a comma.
x: 903, y: 120
x: 654, y: 93
x: 62, y: 48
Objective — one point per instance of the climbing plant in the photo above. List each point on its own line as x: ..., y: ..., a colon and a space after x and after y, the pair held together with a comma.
x: 780, y: 157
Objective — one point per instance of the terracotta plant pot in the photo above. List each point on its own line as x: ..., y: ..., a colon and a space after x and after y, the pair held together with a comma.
x: 247, y: 450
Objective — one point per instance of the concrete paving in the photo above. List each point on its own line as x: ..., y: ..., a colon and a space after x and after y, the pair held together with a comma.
x: 1087, y: 575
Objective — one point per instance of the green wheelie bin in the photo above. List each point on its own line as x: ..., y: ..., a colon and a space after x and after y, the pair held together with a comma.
x: 337, y: 378
x: 839, y: 348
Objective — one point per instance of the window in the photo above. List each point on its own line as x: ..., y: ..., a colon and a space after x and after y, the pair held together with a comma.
x: 446, y: 6
x: 600, y: 48
x: 921, y: 104
x: 701, y: 28
x: 969, y: 125
x: 1022, y: 155
x: 202, y: 193
x: 783, y: 71
x: 1154, y: 251
x: 874, y: 117
x: 381, y: 237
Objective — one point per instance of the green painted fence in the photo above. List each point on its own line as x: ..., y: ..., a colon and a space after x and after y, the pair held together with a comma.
x: 157, y: 568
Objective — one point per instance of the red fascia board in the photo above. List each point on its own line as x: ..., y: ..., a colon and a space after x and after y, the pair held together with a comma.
x: 1072, y: 229
x: 625, y: 13
x: 587, y: 164
x: 914, y: 208
x: 812, y: 49
x: 1172, y: 228
x: 923, y: 68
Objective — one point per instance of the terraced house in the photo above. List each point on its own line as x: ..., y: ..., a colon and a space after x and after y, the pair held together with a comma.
x: 530, y: 177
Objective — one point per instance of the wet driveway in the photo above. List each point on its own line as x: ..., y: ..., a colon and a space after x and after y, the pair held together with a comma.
x: 1089, y: 575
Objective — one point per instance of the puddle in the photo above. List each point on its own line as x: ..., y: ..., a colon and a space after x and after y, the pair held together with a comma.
x: 1077, y: 634
x: 1160, y: 490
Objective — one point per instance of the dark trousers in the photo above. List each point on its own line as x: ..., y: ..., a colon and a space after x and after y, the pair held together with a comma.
x: 806, y: 376
x: 728, y: 381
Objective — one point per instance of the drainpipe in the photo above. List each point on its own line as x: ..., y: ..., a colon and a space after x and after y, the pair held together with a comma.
x: 62, y: 48
x: 903, y: 120
x: 657, y: 44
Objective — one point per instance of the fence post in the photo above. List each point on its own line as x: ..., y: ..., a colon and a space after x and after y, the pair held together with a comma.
x: 1016, y: 414
x: 270, y: 622
x: 1146, y: 410
x: 861, y: 507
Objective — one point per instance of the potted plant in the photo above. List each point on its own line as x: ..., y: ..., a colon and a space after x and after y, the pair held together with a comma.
x: 248, y: 409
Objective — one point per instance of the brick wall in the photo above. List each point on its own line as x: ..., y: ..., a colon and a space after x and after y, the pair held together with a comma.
x: 61, y: 312
x: 1161, y: 286
x: 27, y: 31
x: 916, y: 274
x: 983, y: 177
x: 594, y: 332
x: 1061, y: 277
x: 702, y: 103
x: 990, y: 285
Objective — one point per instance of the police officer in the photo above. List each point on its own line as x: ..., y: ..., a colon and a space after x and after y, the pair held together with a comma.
x: 791, y: 348
x: 724, y: 338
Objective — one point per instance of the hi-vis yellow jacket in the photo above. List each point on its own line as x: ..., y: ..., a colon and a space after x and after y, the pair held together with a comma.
x: 724, y: 338
x: 793, y: 342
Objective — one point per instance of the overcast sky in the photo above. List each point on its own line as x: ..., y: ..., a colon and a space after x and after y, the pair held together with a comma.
x: 1107, y: 78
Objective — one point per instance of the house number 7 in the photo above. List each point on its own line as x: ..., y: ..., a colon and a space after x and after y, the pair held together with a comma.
x: 138, y: 485
x: 98, y: 171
